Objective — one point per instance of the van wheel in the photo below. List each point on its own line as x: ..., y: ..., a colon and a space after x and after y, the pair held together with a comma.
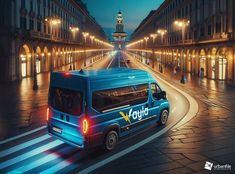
x: 164, y: 117
x: 110, y: 140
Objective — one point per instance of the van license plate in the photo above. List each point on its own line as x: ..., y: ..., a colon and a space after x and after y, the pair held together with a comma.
x: 58, y: 130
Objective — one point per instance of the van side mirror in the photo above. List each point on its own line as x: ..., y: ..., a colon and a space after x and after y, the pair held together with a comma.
x: 163, y: 94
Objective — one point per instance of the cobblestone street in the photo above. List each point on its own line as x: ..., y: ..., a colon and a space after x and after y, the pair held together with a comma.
x: 207, y: 137
x: 25, y: 107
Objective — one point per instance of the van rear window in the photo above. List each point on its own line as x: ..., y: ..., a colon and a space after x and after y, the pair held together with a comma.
x: 106, y: 100
x: 66, y: 100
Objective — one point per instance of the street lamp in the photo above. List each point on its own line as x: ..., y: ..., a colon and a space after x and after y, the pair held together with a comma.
x: 161, y: 32
x: 146, y: 41
x: 182, y: 24
x: 153, y: 36
x: 85, y: 34
x: 92, y: 39
x: 74, y: 30
x: 53, y: 22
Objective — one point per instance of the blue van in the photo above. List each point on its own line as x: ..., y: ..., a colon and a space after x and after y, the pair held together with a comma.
x: 97, y: 107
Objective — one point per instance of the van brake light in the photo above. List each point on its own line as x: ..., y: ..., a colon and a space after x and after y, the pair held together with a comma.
x: 85, y: 125
x: 48, y: 113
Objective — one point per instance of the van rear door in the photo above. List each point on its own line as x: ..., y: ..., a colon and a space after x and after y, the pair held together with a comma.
x: 66, y: 99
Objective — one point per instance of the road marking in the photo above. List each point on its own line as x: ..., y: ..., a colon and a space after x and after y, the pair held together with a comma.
x: 23, y: 145
x: 193, y: 105
x: 110, y: 63
x: 22, y: 135
x: 192, y: 111
x: 67, y: 162
x: 30, y: 154
x: 173, y: 110
x: 39, y: 162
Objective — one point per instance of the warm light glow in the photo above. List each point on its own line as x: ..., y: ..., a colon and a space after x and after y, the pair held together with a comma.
x: 85, y: 34
x: 182, y: 23
x: 53, y: 20
x: 85, y: 126
x: 162, y: 31
x: 153, y: 35
x: 74, y: 29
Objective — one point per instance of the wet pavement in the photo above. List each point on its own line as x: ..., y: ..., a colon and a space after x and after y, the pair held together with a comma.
x: 210, y: 136
x: 22, y: 108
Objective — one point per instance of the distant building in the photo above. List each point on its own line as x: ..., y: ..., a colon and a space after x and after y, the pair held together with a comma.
x: 119, y: 35
x: 40, y: 35
x: 208, y: 42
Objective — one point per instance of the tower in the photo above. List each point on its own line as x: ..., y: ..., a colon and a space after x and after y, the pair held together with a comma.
x: 119, y: 35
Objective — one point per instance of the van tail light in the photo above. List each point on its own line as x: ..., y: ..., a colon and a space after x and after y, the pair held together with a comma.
x: 85, y: 126
x: 49, y: 113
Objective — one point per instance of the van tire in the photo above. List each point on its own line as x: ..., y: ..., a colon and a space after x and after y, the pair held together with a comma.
x: 110, y: 140
x: 163, y: 117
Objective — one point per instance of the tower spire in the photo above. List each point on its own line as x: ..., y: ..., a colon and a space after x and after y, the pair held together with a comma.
x: 119, y: 35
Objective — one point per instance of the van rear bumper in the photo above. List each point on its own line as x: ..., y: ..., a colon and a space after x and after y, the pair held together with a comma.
x: 89, y: 141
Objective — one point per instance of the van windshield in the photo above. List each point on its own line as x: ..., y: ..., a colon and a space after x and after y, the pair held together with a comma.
x: 66, y: 100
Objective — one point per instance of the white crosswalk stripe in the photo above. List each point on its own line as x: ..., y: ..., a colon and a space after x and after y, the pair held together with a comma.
x: 39, y: 162
x: 30, y: 154
x: 23, y: 145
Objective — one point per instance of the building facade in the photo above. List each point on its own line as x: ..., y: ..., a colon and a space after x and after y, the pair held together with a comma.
x: 199, y: 36
x: 42, y: 35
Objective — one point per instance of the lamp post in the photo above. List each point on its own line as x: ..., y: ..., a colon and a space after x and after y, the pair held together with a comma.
x: 182, y: 24
x: 153, y: 36
x: 92, y: 40
x: 161, y: 32
x: 85, y: 34
x: 146, y: 41
x: 74, y: 30
x: 53, y: 22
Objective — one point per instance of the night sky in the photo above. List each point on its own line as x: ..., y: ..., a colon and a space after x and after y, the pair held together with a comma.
x: 134, y: 11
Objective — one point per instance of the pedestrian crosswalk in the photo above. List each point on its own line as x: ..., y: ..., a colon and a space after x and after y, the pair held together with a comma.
x: 41, y: 153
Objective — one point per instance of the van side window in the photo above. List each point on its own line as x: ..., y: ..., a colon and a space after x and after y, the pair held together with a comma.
x: 105, y: 100
x: 155, y: 90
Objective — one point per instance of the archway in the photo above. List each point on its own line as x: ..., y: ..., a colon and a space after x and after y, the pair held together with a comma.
x: 202, y: 63
x: 45, y: 59
x: 212, y: 64
x: 38, y: 60
x: 222, y: 63
x: 24, y: 61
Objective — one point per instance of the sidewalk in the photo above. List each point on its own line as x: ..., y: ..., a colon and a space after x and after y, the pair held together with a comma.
x: 210, y: 136
x: 22, y: 108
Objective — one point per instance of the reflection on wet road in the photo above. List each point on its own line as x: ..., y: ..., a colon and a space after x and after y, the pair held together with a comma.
x: 37, y: 152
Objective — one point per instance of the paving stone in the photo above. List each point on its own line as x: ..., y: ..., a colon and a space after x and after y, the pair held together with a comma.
x: 182, y: 170
x: 185, y: 161
x: 175, y: 156
x: 195, y: 157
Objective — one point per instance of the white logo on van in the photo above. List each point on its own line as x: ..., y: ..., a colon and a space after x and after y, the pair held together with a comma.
x: 136, y: 115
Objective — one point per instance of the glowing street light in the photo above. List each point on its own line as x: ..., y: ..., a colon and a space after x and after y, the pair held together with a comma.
x: 53, y: 22
x: 182, y: 24
x: 146, y: 40
x: 153, y: 36
x: 92, y: 39
x: 85, y: 35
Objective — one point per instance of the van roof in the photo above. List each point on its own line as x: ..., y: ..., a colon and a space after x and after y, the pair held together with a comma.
x: 106, y: 73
